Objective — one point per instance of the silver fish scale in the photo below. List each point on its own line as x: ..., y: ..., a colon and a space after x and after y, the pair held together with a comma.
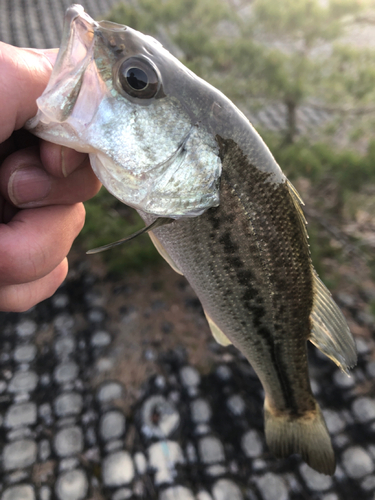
x: 177, y: 176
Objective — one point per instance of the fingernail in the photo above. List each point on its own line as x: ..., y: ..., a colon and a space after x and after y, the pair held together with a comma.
x: 63, y: 162
x: 28, y: 185
x: 70, y: 160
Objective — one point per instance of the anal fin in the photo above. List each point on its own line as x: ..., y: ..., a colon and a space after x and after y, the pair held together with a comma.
x: 218, y: 334
x: 330, y: 332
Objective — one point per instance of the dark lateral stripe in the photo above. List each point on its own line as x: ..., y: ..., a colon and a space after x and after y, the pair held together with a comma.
x: 257, y: 311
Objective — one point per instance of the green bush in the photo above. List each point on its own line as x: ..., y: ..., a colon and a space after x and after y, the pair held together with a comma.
x: 350, y: 169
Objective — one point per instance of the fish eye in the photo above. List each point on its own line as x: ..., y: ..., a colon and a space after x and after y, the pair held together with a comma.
x: 138, y: 78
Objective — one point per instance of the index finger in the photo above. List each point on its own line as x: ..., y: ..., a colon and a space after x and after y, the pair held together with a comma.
x: 23, y: 77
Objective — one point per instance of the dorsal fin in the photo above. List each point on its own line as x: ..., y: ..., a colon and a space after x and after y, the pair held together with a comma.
x: 294, y: 192
x: 160, y: 221
x: 218, y: 334
x: 297, y: 201
x: 330, y: 332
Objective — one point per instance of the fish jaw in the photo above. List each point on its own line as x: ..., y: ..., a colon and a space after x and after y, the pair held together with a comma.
x: 61, y: 113
x: 84, y: 108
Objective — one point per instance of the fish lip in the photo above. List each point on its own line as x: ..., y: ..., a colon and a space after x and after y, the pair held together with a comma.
x: 72, y: 12
x: 77, y: 25
x: 76, y: 20
x: 74, y: 56
x: 77, y: 11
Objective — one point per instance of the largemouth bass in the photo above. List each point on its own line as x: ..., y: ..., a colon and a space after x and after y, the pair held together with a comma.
x: 176, y: 149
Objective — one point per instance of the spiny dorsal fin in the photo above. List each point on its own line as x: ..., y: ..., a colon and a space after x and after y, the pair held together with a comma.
x: 330, y: 332
x: 297, y: 200
x: 161, y: 249
x: 294, y: 192
x: 218, y: 334
x: 160, y: 221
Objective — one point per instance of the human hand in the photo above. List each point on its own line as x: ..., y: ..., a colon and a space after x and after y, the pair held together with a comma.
x: 42, y: 187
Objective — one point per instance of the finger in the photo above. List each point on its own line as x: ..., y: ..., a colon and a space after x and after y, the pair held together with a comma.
x: 6, y: 148
x: 60, y: 161
x: 23, y: 77
x: 20, y: 139
x: 19, y: 298
x: 36, y: 240
x: 7, y: 211
x: 50, y: 54
x: 25, y: 183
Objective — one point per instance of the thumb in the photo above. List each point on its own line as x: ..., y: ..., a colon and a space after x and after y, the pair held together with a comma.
x: 24, y: 74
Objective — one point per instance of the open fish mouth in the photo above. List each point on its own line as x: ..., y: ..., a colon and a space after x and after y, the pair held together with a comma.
x: 61, y: 95
x: 77, y: 38
x: 74, y: 68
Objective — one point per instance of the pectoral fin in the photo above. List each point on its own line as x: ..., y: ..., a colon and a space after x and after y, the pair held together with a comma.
x: 160, y: 221
x: 218, y: 335
x: 330, y: 332
x: 160, y: 248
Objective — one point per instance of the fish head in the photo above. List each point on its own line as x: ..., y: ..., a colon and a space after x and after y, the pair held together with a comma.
x: 142, y: 116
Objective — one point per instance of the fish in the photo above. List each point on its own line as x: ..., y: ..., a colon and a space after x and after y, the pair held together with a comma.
x: 216, y: 205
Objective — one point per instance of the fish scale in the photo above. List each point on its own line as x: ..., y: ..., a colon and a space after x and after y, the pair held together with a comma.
x: 218, y: 209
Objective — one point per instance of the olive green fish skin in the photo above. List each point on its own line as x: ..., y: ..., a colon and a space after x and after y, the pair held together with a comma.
x: 249, y: 264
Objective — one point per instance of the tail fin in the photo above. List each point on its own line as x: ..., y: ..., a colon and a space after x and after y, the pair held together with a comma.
x: 306, y: 435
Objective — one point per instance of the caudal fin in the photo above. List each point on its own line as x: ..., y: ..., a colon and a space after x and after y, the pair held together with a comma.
x: 306, y: 435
